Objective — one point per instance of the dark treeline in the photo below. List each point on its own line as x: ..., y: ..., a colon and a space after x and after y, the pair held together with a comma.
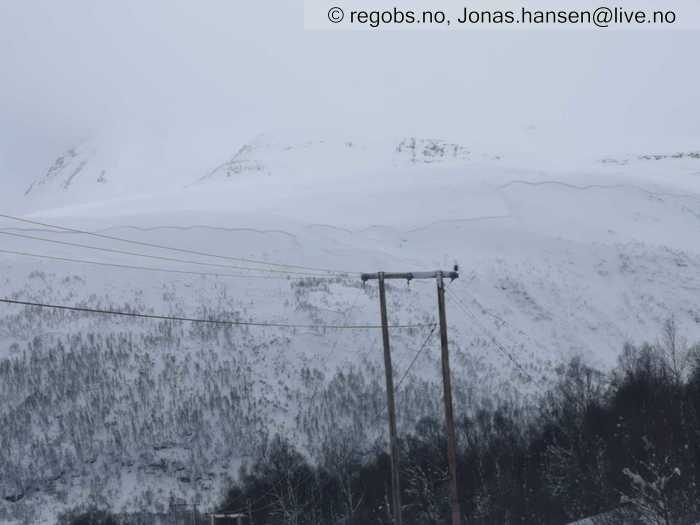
x: 627, y: 440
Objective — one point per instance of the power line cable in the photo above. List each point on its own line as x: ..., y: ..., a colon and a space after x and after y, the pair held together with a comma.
x: 418, y: 353
x: 462, y: 306
x: 505, y: 322
x: 152, y: 269
x: 206, y: 321
x: 173, y: 248
x: 498, y: 345
x: 157, y: 257
x: 346, y: 317
x: 422, y: 347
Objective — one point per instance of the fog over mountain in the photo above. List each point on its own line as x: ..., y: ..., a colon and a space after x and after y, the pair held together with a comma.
x: 194, y: 82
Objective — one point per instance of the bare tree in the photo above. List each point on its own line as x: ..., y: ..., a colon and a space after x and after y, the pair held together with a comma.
x: 650, y: 492
x: 341, y: 457
x: 675, y: 350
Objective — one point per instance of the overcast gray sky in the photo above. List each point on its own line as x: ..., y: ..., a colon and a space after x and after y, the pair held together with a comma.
x: 205, y: 75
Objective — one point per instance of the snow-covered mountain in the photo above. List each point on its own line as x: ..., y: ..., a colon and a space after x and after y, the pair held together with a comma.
x: 68, y: 171
x: 95, y: 170
x: 558, y: 256
x: 267, y: 153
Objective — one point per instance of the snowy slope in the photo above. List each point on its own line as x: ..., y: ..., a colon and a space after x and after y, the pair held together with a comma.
x: 95, y: 170
x: 69, y: 171
x: 269, y: 153
x: 559, y: 256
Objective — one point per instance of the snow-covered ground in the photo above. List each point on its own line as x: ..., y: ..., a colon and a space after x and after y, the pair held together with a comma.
x: 559, y: 256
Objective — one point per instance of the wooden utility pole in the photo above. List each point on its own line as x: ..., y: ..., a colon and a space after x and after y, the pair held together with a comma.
x: 388, y: 370
x: 447, y: 383
x: 449, y: 415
